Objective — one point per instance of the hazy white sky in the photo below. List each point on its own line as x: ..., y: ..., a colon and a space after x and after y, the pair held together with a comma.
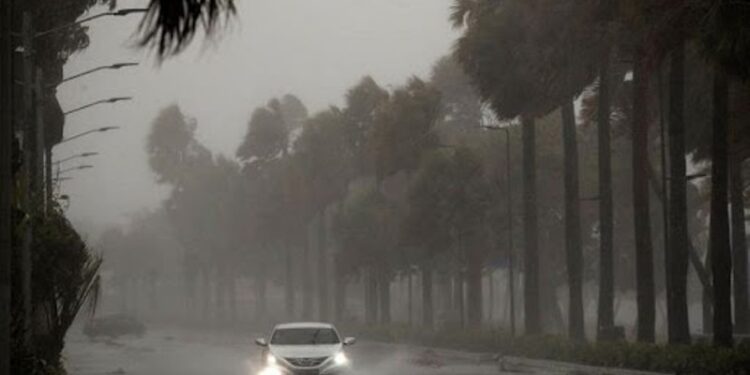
x: 314, y: 49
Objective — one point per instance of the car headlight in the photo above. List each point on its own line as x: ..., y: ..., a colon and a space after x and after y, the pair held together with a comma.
x: 271, y: 360
x: 340, y: 359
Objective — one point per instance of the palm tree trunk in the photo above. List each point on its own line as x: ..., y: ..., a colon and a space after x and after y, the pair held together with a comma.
x: 721, y: 254
x: 474, y: 290
x: 701, y: 270
x: 676, y: 257
x: 307, y: 283
x: 366, y: 297
x: 531, y: 255
x: 707, y: 306
x: 707, y: 300
x: 6, y: 185
x: 491, y: 296
x: 605, y: 311
x: 289, y: 283
x: 428, y: 316
x: 261, y: 303
x: 206, y: 293
x: 371, y: 298
x: 384, y: 283
x: 641, y: 205
x: 739, y: 247
x: 458, y: 298
x: 410, y: 294
x: 219, y: 287
x: 190, y: 281
x: 323, y: 301
x: 574, y: 255
x: 339, y: 292
x: 233, y: 296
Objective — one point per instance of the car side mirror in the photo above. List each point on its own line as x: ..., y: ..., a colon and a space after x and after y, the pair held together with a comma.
x: 261, y: 342
x: 349, y: 341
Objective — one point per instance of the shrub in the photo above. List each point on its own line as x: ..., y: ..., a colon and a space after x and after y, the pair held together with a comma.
x: 64, y: 279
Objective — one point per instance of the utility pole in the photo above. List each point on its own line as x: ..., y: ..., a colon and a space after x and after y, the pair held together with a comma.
x: 6, y: 178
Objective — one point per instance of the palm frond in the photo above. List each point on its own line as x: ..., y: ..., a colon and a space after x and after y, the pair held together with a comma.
x: 170, y: 25
x: 94, y: 294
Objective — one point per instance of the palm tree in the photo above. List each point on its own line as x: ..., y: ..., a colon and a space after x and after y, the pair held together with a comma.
x: 676, y: 257
x: 323, y: 146
x: 401, y: 135
x: 724, y: 28
x: 499, y: 50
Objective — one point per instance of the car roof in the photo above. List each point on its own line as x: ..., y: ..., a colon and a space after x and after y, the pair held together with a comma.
x: 302, y: 325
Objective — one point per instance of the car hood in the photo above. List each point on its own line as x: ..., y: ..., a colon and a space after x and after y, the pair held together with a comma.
x: 304, y: 351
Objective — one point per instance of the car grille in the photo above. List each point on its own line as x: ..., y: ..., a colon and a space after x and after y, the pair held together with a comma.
x: 306, y: 362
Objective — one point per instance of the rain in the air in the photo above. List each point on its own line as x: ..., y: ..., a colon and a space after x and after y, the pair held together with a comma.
x: 374, y: 187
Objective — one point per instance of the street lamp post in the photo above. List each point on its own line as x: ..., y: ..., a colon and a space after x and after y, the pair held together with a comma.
x: 76, y: 156
x: 83, y: 134
x: 76, y: 168
x: 94, y: 70
x: 48, y: 151
x: 102, y: 101
x: 116, y: 13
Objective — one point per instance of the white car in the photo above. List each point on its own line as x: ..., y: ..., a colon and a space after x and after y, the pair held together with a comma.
x: 305, y: 349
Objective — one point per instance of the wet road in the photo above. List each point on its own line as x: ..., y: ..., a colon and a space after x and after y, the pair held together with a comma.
x: 190, y: 353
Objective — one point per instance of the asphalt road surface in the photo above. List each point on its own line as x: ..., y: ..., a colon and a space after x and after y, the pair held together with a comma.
x: 172, y: 352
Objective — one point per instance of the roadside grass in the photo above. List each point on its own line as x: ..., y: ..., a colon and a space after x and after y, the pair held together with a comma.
x: 695, y: 359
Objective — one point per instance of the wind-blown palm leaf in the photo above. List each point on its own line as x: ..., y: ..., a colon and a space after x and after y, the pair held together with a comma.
x: 170, y: 25
x: 526, y: 57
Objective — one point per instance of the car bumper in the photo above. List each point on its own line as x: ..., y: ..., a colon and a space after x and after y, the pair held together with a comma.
x: 334, y: 370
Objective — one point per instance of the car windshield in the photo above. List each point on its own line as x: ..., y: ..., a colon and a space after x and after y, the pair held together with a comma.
x: 305, y: 336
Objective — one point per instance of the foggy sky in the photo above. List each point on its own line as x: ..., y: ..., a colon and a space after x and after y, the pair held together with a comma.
x: 315, y: 49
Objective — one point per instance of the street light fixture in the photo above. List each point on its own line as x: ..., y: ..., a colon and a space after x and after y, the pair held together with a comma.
x: 94, y: 70
x: 81, y: 155
x: 76, y: 168
x: 98, y: 130
x: 103, y: 101
x: 117, y: 13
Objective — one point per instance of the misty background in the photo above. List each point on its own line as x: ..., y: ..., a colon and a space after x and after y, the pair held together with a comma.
x: 313, y: 49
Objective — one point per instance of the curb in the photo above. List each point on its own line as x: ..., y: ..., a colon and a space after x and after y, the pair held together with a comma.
x: 506, y: 363
x: 518, y: 364
x: 450, y: 354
